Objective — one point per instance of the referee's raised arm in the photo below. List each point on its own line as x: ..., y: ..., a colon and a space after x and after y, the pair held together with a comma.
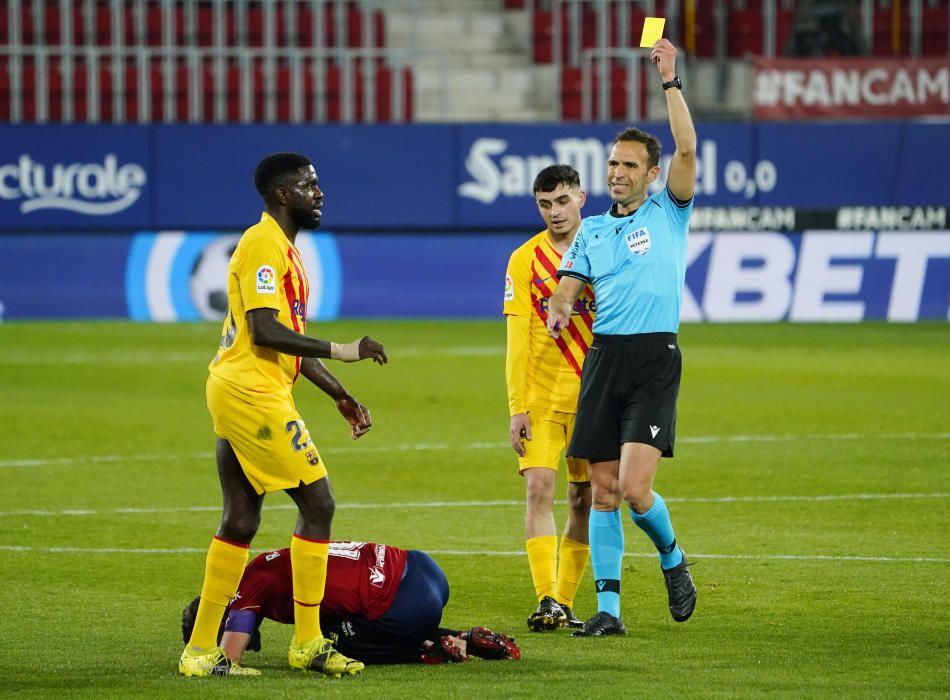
x: 681, y: 178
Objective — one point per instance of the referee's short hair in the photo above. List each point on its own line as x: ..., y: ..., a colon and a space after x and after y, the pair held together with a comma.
x: 272, y: 171
x: 548, y: 179
x: 632, y: 133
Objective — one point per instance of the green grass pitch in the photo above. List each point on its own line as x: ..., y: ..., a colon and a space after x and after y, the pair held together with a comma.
x: 810, y: 487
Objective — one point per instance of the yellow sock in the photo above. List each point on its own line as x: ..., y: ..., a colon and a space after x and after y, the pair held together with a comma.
x: 542, y: 559
x: 308, y: 561
x: 223, y: 569
x: 572, y: 562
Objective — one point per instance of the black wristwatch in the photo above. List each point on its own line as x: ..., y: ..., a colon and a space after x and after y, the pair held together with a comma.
x: 674, y: 83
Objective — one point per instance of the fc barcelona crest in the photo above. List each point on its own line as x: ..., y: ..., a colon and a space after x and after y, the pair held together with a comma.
x: 639, y: 241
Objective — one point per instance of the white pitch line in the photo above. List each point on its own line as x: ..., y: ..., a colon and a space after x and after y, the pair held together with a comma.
x: 437, y: 446
x: 481, y: 504
x: 694, y: 557
x: 100, y: 459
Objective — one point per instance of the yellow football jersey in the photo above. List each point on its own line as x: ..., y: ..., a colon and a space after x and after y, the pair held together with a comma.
x: 552, y: 380
x: 265, y: 272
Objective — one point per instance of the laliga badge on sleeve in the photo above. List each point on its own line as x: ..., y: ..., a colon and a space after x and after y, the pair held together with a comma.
x: 266, y: 280
x: 509, y: 288
x: 652, y: 31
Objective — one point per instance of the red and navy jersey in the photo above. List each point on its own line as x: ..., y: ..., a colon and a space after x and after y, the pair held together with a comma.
x: 362, y: 579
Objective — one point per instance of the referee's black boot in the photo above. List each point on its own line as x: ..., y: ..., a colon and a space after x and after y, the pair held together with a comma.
x: 681, y: 590
x: 601, y: 625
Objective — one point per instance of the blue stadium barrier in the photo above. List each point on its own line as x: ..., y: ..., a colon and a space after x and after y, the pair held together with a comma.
x: 832, y: 276
x: 440, y: 178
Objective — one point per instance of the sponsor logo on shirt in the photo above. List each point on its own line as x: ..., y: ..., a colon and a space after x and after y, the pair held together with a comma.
x: 583, y: 306
x: 569, y: 265
x: 376, y: 576
x: 509, y: 288
x: 266, y: 280
x: 639, y: 241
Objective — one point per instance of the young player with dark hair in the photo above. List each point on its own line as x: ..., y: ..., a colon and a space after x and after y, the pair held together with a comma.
x: 543, y: 378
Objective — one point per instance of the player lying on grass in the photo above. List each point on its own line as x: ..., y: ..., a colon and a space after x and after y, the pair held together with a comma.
x: 382, y: 604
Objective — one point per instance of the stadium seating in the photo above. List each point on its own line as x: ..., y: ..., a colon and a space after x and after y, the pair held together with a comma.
x: 101, y: 32
x: 78, y: 79
x: 101, y: 50
x: 579, y: 22
x: 59, y: 55
x: 935, y: 39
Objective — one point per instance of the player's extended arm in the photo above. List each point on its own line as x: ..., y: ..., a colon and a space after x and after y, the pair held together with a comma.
x: 561, y: 304
x: 234, y: 644
x: 356, y: 414
x: 516, y: 371
x: 681, y: 179
x: 267, y: 331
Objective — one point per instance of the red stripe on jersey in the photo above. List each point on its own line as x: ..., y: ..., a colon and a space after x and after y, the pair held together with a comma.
x: 578, y: 338
x: 572, y: 327
x: 560, y: 342
x: 304, y: 288
x: 546, y: 263
x: 540, y: 284
x: 584, y: 313
x: 291, y: 298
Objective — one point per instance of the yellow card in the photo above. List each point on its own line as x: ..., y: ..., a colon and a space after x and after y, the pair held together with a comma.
x: 652, y: 31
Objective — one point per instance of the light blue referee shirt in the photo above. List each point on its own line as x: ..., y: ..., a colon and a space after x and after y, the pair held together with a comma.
x: 636, y: 265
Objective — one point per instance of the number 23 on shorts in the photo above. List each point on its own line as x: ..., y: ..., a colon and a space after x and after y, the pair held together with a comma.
x: 300, y: 439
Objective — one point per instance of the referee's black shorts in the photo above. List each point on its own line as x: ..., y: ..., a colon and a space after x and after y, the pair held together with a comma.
x: 628, y: 393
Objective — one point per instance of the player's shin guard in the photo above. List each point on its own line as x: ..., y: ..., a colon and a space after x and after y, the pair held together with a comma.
x: 308, y: 562
x: 658, y: 527
x: 542, y: 559
x: 606, y: 555
x: 223, y: 569
x: 572, y: 560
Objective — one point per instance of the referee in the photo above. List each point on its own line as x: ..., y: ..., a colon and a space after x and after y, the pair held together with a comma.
x: 634, y: 256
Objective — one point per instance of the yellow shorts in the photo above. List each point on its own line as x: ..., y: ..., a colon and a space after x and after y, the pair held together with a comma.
x: 550, y: 435
x: 268, y: 436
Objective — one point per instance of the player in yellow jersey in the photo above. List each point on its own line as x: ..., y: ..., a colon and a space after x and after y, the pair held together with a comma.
x: 263, y: 444
x: 543, y: 378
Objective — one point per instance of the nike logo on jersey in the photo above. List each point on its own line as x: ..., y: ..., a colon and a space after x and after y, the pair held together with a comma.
x: 654, y: 430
